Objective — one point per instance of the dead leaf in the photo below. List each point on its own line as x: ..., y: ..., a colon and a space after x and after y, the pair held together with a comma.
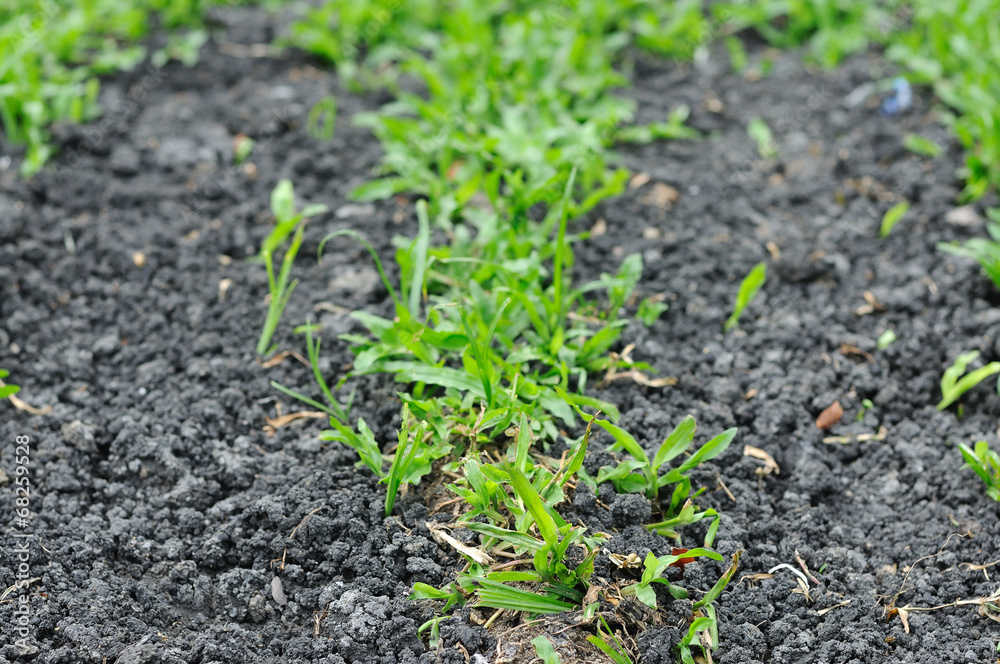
x: 477, y: 555
x: 640, y: 378
x: 284, y: 420
x: 830, y: 416
x: 224, y: 286
x: 803, y: 590
x: 332, y: 308
x: 848, y: 349
x: 753, y: 578
x: 662, y: 196
x: 773, y: 249
x: 904, y: 617
x: 823, y: 612
x: 871, y: 305
x: 282, y: 356
x: 632, y: 560
x: 638, y: 180
x: 963, y: 216
x: 600, y: 227
x: 770, y: 465
x: 138, y: 259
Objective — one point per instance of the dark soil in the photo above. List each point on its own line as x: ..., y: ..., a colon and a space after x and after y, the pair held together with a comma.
x: 164, y: 511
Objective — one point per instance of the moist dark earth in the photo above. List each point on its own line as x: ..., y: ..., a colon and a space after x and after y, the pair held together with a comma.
x: 163, y: 509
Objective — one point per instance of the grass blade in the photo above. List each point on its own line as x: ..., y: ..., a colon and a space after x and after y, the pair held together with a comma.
x: 748, y: 289
x: 533, y: 502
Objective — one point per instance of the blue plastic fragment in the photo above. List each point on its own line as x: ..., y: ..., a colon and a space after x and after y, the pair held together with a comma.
x: 901, y: 98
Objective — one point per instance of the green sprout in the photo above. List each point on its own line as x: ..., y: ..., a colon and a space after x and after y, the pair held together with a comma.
x: 892, y: 216
x: 986, y: 252
x: 918, y: 144
x: 866, y: 405
x: 322, y: 119
x: 653, y: 569
x: 679, y: 511
x: 616, y: 652
x: 6, y: 389
x: 748, y: 290
x: 758, y: 130
x: 287, y: 221
x: 985, y: 463
x: 885, y: 339
x: 332, y: 407
x: 545, y: 651
x: 954, y: 384
x: 243, y: 148
x: 650, y: 310
x: 412, y: 460
x: 361, y: 441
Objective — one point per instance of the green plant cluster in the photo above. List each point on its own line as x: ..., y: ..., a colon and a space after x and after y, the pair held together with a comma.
x: 52, y: 52
x: 492, y: 340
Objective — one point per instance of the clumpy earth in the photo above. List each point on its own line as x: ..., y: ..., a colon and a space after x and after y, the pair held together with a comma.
x: 174, y: 522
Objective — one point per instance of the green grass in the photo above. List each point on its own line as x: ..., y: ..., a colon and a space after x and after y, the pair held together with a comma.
x: 492, y: 338
x: 985, y: 251
x: 749, y: 287
x: 7, y: 389
x: 986, y: 464
x: 287, y: 221
x: 955, y: 382
x: 52, y: 54
x: 893, y: 216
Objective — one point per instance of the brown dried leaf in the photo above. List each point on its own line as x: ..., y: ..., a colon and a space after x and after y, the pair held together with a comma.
x: 638, y: 180
x: 770, y: 465
x: 477, y: 555
x: 631, y: 560
x: 830, y: 416
x: 662, y: 196
x: 823, y: 612
x: 284, y: 420
x: 640, y: 378
x: 753, y: 578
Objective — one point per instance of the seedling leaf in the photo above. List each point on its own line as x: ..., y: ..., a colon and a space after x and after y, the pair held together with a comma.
x: 748, y: 289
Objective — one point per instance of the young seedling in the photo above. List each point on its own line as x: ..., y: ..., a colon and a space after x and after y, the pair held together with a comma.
x: 866, y: 405
x: 287, y: 221
x: 954, y: 384
x: 986, y: 252
x: 411, y: 461
x: 6, y: 389
x: 333, y: 407
x: 653, y: 569
x: 323, y: 119
x: 650, y: 310
x: 243, y: 147
x: 706, y: 621
x: 362, y: 441
x: 892, y: 216
x: 758, y: 130
x: 885, y: 339
x: 545, y: 651
x: 985, y: 463
x: 921, y: 145
x: 616, y: 652
x: 680, y: 510
x: 748, y: 290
